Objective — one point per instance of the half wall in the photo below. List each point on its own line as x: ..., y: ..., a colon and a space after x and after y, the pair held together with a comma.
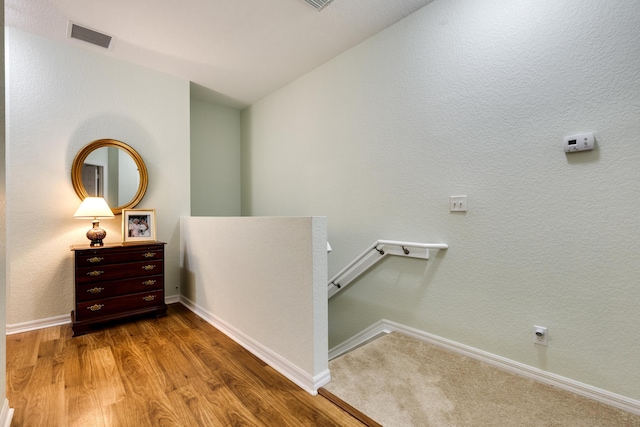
x: 262, y: 281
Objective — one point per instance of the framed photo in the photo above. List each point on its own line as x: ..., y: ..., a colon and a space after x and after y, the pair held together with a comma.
x: 138, y: 225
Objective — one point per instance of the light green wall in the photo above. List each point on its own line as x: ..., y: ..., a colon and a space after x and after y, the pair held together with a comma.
x: 3, y: 234
x: 59, y: 98
x: 215, y: 159
x: 474, y: 97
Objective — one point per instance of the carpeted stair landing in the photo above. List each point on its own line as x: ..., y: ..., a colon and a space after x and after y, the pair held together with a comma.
x: 401, y: 381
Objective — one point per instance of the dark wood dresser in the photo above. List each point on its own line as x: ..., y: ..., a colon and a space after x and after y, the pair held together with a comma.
x: 117, y: 281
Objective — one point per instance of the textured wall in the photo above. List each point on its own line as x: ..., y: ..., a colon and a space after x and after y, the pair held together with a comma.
x: 474, y: 97
x: 266, y: 277
x: 3, y: 228
x: 215, y: 160
x: 59, y: 99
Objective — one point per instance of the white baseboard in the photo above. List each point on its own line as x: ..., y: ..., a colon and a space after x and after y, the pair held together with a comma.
x: 32, y: 325
x: 172, y: 299
x: 373, y: 331
x: 586, y: 390
x: 6, y: 415
x: 283, y: 366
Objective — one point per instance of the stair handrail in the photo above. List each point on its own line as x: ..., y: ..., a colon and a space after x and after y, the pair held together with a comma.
x: 373, y: 254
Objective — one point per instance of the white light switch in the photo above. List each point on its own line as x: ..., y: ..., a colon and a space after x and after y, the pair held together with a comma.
x: 458, y: 203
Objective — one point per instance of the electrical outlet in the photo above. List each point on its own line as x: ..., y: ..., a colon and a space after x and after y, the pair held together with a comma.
x: 458, y: 203
x: 540, y: 335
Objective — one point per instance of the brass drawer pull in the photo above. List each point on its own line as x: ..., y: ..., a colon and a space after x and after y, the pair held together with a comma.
x: 150, y: 282
x: 95, y: 307
x: 94, y: 259
x: 149, y: 298
x: 149, y: 255
x: 95, y: 273
x: 95, y: 290
x: 148, y: 267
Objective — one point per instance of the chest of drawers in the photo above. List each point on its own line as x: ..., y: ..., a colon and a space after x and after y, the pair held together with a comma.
x: 117, y: 281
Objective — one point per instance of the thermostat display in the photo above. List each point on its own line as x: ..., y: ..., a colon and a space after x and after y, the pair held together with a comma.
x: 580, y: 142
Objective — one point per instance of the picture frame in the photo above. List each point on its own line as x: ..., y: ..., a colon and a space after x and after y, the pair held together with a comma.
x: 138, y: 225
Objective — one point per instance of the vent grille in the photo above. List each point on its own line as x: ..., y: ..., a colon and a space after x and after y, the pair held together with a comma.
x: 318, y: 4
x: 89, y: 36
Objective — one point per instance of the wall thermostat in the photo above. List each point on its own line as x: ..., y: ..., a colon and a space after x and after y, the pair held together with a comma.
x: 580, y: 142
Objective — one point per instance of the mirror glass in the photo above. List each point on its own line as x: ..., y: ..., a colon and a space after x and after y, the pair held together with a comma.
x: 110, y: 169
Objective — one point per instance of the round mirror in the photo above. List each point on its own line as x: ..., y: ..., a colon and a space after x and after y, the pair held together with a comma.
x: 111, y: 169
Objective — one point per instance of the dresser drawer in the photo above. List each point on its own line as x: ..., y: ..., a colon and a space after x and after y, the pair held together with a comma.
x: 111, y: 306
x: 93, y: 291
x: 89, y: 258
x: 104, y: 273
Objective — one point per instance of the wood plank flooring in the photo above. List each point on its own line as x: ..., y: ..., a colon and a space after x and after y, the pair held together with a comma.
x: 172, y: 371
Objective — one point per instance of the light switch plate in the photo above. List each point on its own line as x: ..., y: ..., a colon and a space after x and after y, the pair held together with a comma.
x: 458, y: 203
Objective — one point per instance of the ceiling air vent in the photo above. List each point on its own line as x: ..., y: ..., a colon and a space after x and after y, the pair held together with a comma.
x: 318, y: 4
x: 90, y: 36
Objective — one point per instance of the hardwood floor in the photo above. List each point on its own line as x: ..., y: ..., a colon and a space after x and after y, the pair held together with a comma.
x: 172, y: 371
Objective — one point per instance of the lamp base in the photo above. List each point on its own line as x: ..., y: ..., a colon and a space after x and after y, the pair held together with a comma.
x: 96, y: 234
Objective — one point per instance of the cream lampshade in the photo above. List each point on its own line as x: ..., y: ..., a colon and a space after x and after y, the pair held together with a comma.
x: 94, y: 208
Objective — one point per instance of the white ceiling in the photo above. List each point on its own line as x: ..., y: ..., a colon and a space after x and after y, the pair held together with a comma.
x: 240, y: 50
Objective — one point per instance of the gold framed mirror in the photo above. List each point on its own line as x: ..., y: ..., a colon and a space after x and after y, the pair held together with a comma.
x: 111, y: 169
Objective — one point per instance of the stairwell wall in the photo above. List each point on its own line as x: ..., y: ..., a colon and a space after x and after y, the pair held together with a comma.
x: 474, y: 98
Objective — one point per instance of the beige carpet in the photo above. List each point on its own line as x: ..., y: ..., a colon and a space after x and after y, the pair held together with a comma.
x: 401, y: 381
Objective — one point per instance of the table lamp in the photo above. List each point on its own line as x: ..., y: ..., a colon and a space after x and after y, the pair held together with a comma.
x: 94, y: 208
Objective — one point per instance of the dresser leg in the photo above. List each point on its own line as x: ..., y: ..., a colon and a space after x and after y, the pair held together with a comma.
x: 76, y: 327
